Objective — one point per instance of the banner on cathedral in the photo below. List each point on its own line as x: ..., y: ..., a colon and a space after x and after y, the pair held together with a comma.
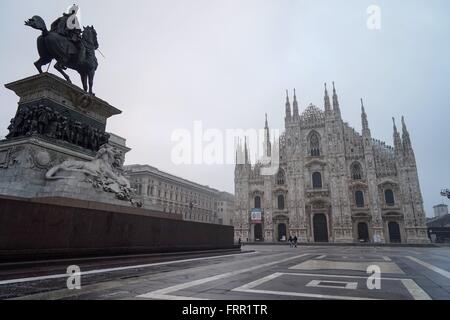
x: 256, y: 217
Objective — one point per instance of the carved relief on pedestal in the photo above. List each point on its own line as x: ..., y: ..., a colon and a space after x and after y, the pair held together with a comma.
x: 21, y: 156
x: 4, y: 158
x: 104, y: 172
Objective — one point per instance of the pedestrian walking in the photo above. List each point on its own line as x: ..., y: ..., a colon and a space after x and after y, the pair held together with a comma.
x: 295, y: 241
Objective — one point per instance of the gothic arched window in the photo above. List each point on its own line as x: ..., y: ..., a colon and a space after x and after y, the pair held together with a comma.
x: 357, y: 173
x: 280, y: 202
x: 257, y: 202
x: 359, y: 199
x: 314, y: 143
x: 317, y: 180
x: 281, y: 178
x: 389, y: 197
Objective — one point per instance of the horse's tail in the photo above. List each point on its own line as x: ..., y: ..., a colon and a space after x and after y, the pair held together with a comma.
x: 37, y: 23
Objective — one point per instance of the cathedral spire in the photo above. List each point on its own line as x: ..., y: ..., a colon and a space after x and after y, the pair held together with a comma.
x: 365, y: 122
x: 407, y: 146
x: 397, y: 140
x: 327, y: 100
x: 296, y: 113
x: 336, y: 107
x: 288, y: 107
x: 267, y: 143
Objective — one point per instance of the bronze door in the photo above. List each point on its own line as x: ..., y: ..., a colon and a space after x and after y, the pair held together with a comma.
x: 394, y: 232
x: 320, y: 228
x: 258, y: 232
x: 363, y: 232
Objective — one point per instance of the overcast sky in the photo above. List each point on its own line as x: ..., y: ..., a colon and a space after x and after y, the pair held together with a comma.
x: 228, y: 62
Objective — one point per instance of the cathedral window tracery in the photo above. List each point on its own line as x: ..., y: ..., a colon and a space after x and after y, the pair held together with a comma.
x: 389, y: 197
x: 257, y: 202
x: 356, y: 171
x: 281, y: 205
x: 281, y: 180
x: 359, y: 199
x: 314, y: 143
x: 317, y: 180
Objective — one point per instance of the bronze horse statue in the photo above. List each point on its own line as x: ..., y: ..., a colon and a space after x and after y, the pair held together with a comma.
x: 53, y: 45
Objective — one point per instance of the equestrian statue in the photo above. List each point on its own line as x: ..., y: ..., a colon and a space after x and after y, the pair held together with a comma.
x: 68, y: 45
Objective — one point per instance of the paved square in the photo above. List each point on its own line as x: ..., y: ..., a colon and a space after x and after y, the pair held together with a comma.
x: 318, y: 286
x: 266, y: 273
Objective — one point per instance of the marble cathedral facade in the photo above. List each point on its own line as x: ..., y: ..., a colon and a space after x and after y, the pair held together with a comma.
x: 333, y: 184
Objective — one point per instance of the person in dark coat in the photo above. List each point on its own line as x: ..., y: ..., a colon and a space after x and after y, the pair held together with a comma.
x: 295, y: 241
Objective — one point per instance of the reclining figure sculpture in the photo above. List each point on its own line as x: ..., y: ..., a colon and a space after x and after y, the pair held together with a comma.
x: 104, y: 171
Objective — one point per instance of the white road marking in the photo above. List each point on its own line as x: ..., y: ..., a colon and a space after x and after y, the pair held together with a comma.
x: 165, y: 293
x: 386, y: 267
x: 170, y: 297
x: 65, y: 275
x: 321, y: 257
x: 303, y: 295
x: 416, y: 292
x: 261, y: 281
x: 335, y: 276
x: 248, y: 289
x: 328, y: 284
x: 431, y: 267
x: 385, y: 258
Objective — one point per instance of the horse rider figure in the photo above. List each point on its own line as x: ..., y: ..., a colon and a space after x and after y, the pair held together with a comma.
x: 68, y: 45
x: 69, y: 27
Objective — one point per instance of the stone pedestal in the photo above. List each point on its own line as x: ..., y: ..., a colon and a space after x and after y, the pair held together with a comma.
x: 25, y: 161
x: 55, y: 122
x: 66, y: 98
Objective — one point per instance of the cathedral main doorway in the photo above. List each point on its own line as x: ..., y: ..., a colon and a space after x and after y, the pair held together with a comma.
x: 282, y: 232
x: 259, y: 232
x: 363, y: 232
x: 320, y: 226
x: 394, y: 232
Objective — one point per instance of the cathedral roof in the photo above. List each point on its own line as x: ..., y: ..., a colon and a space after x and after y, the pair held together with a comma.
x: 312, y: 114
